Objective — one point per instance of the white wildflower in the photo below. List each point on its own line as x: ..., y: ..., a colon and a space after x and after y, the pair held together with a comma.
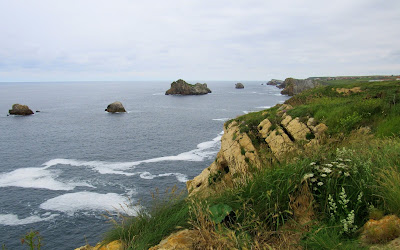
x: 326, y: 170
x: 359, y: 197
x: 312, y: 163
x: 323, y: 175
x: 315, y: 189
x: 320, y: 183
x: 328, y: 165
x: 348, y: 160
x: 308, y: 176
x: 313, y: 179
x: 347, y: 174
x: 343, y: 198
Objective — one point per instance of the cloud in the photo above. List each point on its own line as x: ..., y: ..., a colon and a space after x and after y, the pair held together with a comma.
x: 220, y: 40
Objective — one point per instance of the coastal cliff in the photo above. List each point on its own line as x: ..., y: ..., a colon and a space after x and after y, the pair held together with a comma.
x: 320, y: 166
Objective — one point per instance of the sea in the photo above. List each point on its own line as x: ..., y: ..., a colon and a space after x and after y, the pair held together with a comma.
x: 66, y: 169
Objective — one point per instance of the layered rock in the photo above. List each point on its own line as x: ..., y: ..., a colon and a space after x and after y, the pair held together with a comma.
x: 233, y: 160
x: 239, y: 85
x: 18, y: 109
x: 295, y: 86
x: 238, y: 155
x: 180, y: 87
x: 115, y: 107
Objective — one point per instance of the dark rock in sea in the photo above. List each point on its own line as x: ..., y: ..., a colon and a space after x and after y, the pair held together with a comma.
x: 295, y: 86
x: 115, y: 107
x: 37, y: 111
x: 180, y: 87
x: 239, y: 85
x: 18, y: 109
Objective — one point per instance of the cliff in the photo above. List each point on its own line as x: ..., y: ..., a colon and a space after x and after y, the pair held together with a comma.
x: 180, y: 87
x: 295, y: 86
x: 275, y: 135
x: 323, y: 165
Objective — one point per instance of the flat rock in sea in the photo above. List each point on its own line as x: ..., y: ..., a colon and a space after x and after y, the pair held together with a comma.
x: 18, y: 109
x: 180, y: 87
x: 115, y: 107
x: 239, y: 85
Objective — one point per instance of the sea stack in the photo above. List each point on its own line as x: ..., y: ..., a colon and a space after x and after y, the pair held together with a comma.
x: 180, y: 87
x: 239, y: 85
x: 18, y: 109
x: 115, y: 107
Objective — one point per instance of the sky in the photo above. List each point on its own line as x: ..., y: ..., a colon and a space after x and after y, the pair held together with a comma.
x: 131, y: 40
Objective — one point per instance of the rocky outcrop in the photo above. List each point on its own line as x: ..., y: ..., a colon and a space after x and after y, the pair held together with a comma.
x: 239, y: 85
x: 180, y: 87
x: 114, y: 245
x: 295, y: 86
x: 185, y: 239
x: 275, y: 82
x: 238, y: 155
x: 18, y: 109
x: 115, y: 107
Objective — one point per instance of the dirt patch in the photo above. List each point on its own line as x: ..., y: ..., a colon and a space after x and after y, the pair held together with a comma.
x: 349, y: 91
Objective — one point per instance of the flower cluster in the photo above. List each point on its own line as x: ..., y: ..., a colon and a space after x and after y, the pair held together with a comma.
x: 335, y: 169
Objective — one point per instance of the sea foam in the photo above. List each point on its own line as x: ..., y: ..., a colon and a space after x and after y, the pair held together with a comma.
x: 14, y: 220
x: 84, y: 201
x: 37, y: 178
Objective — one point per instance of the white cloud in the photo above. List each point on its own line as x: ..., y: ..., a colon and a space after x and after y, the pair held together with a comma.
x: 222, y: 40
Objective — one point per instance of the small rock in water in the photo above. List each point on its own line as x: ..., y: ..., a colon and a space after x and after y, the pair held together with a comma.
x: 115, y: 107
x: 18, y: 109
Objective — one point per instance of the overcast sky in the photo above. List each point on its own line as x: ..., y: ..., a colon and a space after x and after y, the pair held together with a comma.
x: 64, y: 40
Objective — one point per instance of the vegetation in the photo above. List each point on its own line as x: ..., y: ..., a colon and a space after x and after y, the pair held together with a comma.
x: 322, y: 197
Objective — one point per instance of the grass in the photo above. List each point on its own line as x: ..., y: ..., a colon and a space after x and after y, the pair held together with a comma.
x: 149, y: 227
x: 376, y: 106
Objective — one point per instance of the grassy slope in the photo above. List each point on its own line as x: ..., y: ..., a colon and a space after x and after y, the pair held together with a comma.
x: 349, y: 181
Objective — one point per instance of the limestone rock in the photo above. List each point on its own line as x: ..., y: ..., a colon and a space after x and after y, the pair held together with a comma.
x: 181, y: 240
x: 283, y: 109
x: 279, y: 143
x: 115, y: 107
x: 239, y: 85
x: 18, y: 109
x: 319, y: 130
x: 114, y: 245
x: 264, y: 127
x: 233, y: 159
x: 295, y: 128
x: 348, y: 91
x: 381, y: 231
x: 180, y: 87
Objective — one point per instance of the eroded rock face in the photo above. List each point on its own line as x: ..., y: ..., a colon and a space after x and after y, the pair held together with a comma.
x: 239, y: 85
x: 180, y: 87
x: 115, y: 107
x: 237, y: 151
x: 295, y: 86
x: 18, y: 109
x: 296, y: 129
x: 238, y: 155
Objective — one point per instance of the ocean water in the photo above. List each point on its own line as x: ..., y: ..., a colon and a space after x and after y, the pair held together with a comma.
x: 66, y: 166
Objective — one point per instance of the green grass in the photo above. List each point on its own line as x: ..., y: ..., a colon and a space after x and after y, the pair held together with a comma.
x: 377, y: 107
x: 324, y: 237
x: 150, y: 226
